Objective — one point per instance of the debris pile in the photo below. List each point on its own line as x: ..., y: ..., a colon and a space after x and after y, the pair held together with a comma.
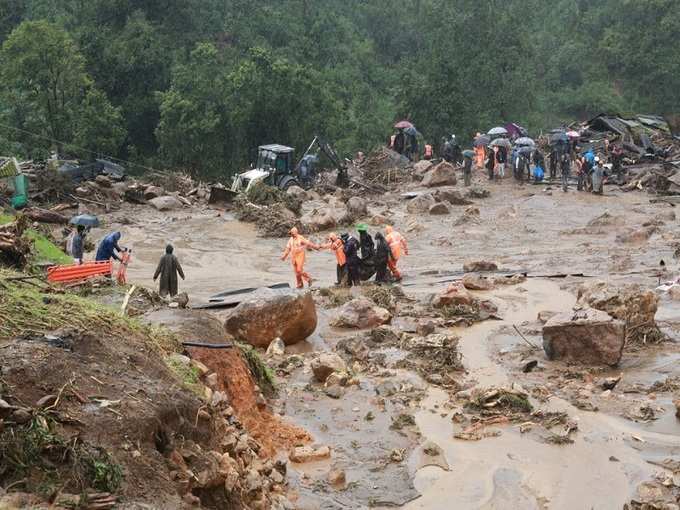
x: 14, y: 248
x: 384, y: 168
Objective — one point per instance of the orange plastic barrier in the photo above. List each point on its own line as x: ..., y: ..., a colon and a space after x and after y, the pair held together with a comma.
x: 76, y: 272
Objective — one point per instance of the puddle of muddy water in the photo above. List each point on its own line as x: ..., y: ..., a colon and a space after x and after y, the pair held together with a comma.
x: 514, y: 471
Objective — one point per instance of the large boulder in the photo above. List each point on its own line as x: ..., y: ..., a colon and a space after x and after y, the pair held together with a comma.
x: 452, y: 196
x: 297, y: 192
x: 166, y: 203
x: 455, y: 294
x: 474, y: 281
x: 632, y: 304
x: 439, y: 209
x: 151, y: 192
x: 421, y: 203
x: 422, y: 167
x: 325, y: 364
x: 587, y: 336
x: 319, y: 216
x: 477, y: 266
x: 444, y: 174
x: 361, y: 313
x: 357, y: 207
x: 268, y: 314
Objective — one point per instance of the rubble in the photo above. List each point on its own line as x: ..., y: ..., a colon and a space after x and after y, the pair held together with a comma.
x: 325, y: 364
x: 361, y: 313
x: 267, y: 314
x: 475, y: 281
x: 586, y: 336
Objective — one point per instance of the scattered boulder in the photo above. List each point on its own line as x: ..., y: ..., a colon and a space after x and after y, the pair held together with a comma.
x: 297, y: 192
x: 470, y: 215
x: 325, y: 364
x: 421, y: 204
x: 268, y: 314
x: 151, y: 192
x: 302, y: 454
x: 166, y: 203
x: 479, y: 266
x: 474, y: 281
x: 422, y: 167
x: 337, y: 478
x: 588, y: 336
x: 632, y: 304
x: 455, y: 294
x: 674, y: 292
x: 452, y: 196
x: 545, y: 315
x: 379, y: 220
x: 357, y: 207
x: 361, y: 313
x: 444, y: 174
x: 103, y: 181
x: 637, y: 236
x: 477, y: 192
x: 439, y: 209
x: 318, y: 220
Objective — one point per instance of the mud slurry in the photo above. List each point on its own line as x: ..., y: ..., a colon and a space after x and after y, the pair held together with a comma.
x: 515, y: 463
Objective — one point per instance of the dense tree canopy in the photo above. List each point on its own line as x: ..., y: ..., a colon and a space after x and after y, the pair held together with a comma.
x: 198, y: 84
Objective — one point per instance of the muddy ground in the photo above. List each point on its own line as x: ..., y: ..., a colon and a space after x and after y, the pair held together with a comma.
x: 378, y: 431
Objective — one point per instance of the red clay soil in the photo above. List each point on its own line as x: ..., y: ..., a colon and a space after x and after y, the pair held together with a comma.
x: 235, y: 380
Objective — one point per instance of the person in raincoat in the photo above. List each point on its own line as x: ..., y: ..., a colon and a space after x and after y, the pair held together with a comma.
x: 168, y: 269
x: 296, y: 249
x: 336, y: 245
x: 491, y: 161
x: 467, y: 168
x: 353, y: 261
x: 598, y: 174
x: 108, y: 247
x: 365, y: 242
x: 78, y: 245
x: 383, y: 256
x: 397, y: 243
x: 480, y: 154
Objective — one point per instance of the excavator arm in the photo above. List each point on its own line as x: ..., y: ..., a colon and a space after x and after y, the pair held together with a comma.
x: 329, y: 151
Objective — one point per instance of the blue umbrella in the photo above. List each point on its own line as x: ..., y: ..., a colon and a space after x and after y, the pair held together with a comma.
x: 86, y: 220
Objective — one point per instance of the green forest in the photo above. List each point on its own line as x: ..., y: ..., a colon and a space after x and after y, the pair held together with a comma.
x: 196, y: 85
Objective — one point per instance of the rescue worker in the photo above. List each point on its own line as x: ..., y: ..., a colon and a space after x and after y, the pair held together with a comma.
x: 383, y: 255
x: 168, y: 269
x: 396, y: 242
x: 598, y: 174
x: 480, y: 153
x: 336, y: 246
x: 467, y: 169
x: 296, y: 248
x: 490, y: 161
x: 351, y: 246
x: 365, y: 241
x: 108, y: 247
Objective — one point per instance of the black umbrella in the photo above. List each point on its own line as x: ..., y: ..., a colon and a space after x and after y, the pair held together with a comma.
x: 559, y: 138
x: 411, y: 131
x: 482, y: 140
x: 86, y: 220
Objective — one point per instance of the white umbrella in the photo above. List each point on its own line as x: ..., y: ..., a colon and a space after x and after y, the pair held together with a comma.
x: 525, y: 141
x: 498, y: 131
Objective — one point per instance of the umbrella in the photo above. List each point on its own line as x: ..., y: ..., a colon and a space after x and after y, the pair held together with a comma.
x: 468, y: 153
x: 482, y: 140
x: 504, y: 142
x: 412, y: 131
x: 573, y: 134
x: 86, y: 220
x: 525, y: 140
x: 557, y: 130
x: 525, y: 150
x: 559, y: 138
x: 403, y: 124
x: 498, y: 131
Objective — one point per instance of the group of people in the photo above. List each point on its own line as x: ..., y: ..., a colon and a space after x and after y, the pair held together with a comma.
x: 406, y: 144
x: 356, y: 259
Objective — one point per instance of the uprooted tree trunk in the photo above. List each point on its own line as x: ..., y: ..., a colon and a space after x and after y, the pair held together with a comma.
x: 45, y: 216
x: 14, y: 249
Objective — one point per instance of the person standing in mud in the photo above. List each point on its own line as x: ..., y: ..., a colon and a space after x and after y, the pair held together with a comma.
x: 490, y: 162
x: 351, y: 246
x: 336, y: 245
x: 397, y: 243
x: 366, y: 242
x: 296, y: 249
x: 168, y: 269
x: 383, y: 256
x: 467, y: 169
x: 598, y: 174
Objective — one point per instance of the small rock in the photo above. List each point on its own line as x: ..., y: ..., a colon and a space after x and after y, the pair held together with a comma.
x: 202, y: 369
x: 425, y: 328
x: 302, y: 454
x: 479, y: 266
x: 325, y: 364
x: 455, y: 294
x: 21, y: 416
x: 276, y: 348
x: 211, y: 380
x: 439, y: 209
x: 182, y: 300
x: 474, y: 281
x: 151, y: 192
x: 337, y: 478
x: 361, y: 313
x: 166, y: 203
x: 545, y: 315
x: 334, y: 391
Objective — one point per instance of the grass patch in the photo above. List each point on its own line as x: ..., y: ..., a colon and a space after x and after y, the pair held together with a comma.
x: 45, y: 250
x: 6, y: 218
x: 188, y: 375
x: 263, y: 375
x: 26, y: 309
x: 43, y: 462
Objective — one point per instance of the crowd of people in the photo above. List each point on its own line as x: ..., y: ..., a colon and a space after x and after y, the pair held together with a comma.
x: 356, y: 260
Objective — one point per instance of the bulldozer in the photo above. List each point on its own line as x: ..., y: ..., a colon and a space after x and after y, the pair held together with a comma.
x: 275, y: 167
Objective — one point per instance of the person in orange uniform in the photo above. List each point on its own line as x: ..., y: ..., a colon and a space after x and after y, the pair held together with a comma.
x: 480, y: 153
x: 296, y: 248
x: 396, y: 242
x: 335, y: 245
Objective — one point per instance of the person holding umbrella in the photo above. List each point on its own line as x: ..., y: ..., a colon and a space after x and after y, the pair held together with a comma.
x: 467, y: 166
x: 480, y: 153
x: 76, y: 244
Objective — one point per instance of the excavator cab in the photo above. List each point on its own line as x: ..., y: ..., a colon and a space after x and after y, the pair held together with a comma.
x: 275, y: 166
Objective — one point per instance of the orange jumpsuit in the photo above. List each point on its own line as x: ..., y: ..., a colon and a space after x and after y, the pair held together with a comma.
x: 396, y: 242
x: 480, y: 156
x: 338, y: 248
x: 296, y: 248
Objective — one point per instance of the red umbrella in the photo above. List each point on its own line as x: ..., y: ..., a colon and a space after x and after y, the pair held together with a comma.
x: 403, y: 124
x: 573, y: 134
